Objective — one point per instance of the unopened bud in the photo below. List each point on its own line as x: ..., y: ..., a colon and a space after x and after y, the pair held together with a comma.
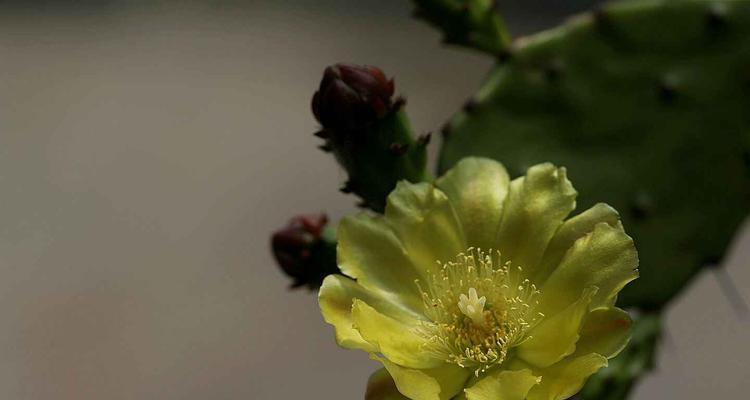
x: 301, y: 252
x: 352, y: 96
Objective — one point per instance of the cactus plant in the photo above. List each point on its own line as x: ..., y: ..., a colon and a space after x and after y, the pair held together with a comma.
x: 646, y: 103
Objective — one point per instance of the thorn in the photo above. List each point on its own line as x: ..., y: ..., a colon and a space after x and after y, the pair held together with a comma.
x: 455, y: 38
x: 399, y: 103
x: 470, y: 106
x: 734, y: 297
x: 505, y: 55
x: 712, y: 261
x: 348, y: 187
x: 323, y: 134
x: 601, y: 17
x: 667, y: 92
x: 638, y: 213
x: 642, y: 206
x: 327, y: 148
x: 553, y: 71
x: 446, y: 130
x: 398, y: 148
x: 296, y: 284
x: 605, y: 26
x: 716, y: 18
x: 424, y: 140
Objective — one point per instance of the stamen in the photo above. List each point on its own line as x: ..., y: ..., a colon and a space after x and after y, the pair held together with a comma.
x: 473, y: 331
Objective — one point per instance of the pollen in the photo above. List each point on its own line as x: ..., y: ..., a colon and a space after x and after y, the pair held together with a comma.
x: 479, y: 307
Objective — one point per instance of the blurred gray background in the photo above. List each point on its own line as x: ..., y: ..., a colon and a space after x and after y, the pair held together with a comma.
x: 147, y: 150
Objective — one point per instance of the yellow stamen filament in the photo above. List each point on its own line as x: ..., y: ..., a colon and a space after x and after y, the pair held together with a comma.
x: 476, y: 331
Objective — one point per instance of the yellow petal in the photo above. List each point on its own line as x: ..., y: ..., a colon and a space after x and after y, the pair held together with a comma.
x: 503, y: 385
x: 570, y: 231
x: 556, y: 336
x: 477, y: 188
x: 605, y: 331
x: 396, y: 339
x: 566, y: 378
x: 369, y: 251
x: 336, y: 297
x: 605, y: 258
x: 439, y: 383
x: 380, y: 386
x: 425, y: 222
x: 536, y: 206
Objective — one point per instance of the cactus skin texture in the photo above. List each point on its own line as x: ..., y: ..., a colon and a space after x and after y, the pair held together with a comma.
x: 471, y: 23
x: 379, y: 156
x: 647, y: 103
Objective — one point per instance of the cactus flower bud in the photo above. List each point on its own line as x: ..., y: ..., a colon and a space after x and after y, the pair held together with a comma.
x: 367, y: 132
x: 302, y: 252
x: 352, y: 96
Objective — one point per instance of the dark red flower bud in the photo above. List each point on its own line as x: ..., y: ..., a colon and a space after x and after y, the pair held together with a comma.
x: 351, y: 96
x: 300, y: 251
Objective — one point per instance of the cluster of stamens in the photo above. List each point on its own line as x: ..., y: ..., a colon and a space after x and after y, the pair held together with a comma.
x: 479, y: 307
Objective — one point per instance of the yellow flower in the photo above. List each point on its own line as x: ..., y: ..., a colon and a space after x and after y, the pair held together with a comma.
x: 478, y: 288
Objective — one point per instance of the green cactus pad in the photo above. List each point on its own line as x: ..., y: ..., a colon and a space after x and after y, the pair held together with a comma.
x: 647, y: 103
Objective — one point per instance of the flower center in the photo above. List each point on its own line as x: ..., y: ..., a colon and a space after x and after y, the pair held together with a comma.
x: 472, y: 306
x: 479, y: 307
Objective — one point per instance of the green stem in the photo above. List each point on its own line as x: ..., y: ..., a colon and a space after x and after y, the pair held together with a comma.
x: 470, y: 23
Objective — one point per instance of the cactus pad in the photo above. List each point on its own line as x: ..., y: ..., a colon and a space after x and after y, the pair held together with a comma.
x: 647, y: 103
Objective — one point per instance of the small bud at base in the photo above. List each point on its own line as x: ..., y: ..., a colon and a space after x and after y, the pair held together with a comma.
x: 292, y: 246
